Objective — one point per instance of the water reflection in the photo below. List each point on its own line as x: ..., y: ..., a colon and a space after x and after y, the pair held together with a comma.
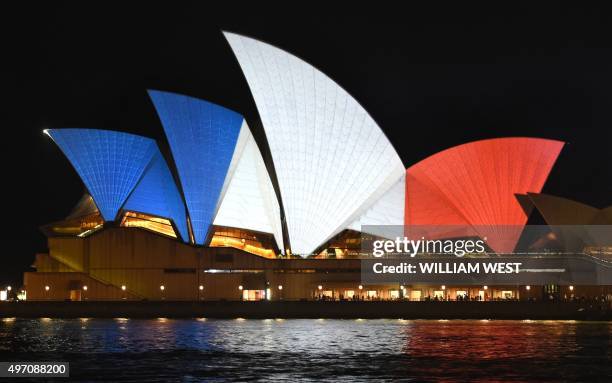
x: 200, y: 349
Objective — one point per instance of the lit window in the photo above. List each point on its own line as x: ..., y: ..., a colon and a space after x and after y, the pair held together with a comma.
x: 242, y: 240
x: 148, y: 222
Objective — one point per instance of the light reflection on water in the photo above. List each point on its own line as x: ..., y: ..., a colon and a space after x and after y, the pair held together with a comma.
x: 166, y: 349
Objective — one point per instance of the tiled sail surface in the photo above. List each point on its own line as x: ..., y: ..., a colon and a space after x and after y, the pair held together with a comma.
x: 249, y: 201
x: 202, y: 138
x: 157, y: 194
x: 387, y: 211
x: 474, y: 185
x: 331, y: 159
x: 109, y: 163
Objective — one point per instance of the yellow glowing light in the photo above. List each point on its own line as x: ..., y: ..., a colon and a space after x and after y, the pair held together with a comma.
x: 240, y: 287
x: 485, y: 287
x: 320, y: 287
x: 201, y: 287
x: 280, y: 287
x: 571, y: 288
x: 360, y: 287
x: 85, y: 287
x: 443, y: 287
x: 123, y: 287
x: 162, y: 287
x: 222, y: 241
x: 47, y: 288
x: 148, y: 222
x: 527, y: 287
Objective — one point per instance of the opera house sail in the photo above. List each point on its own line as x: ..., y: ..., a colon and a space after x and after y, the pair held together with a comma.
x: 202, y: 137
x: 474, y: 186
x: 109, y: 163
x: 157, y: 194
x: 220, y: 168
x: 332, y: 160
x: 249, y: 201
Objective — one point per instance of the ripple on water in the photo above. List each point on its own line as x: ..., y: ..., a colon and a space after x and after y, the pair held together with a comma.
x: 456, y: 350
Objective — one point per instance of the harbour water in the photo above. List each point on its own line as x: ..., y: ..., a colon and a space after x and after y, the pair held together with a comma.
x: 189, y: 350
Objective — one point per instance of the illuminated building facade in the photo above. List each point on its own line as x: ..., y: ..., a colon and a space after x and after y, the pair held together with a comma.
x: 207, y: 221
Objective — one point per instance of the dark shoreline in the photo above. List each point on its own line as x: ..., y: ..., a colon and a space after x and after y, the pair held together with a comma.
x: 308, y: 309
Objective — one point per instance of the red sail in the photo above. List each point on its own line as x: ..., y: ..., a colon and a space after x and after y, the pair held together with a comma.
x: 473, y: 187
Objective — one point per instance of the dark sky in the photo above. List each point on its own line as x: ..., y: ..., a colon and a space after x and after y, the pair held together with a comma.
x: 431, y: 77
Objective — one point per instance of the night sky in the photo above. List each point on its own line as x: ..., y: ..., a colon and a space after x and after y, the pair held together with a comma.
x: 431, y: 77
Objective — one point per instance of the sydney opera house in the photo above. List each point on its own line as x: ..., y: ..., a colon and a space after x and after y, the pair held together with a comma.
x: 214, y: 219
